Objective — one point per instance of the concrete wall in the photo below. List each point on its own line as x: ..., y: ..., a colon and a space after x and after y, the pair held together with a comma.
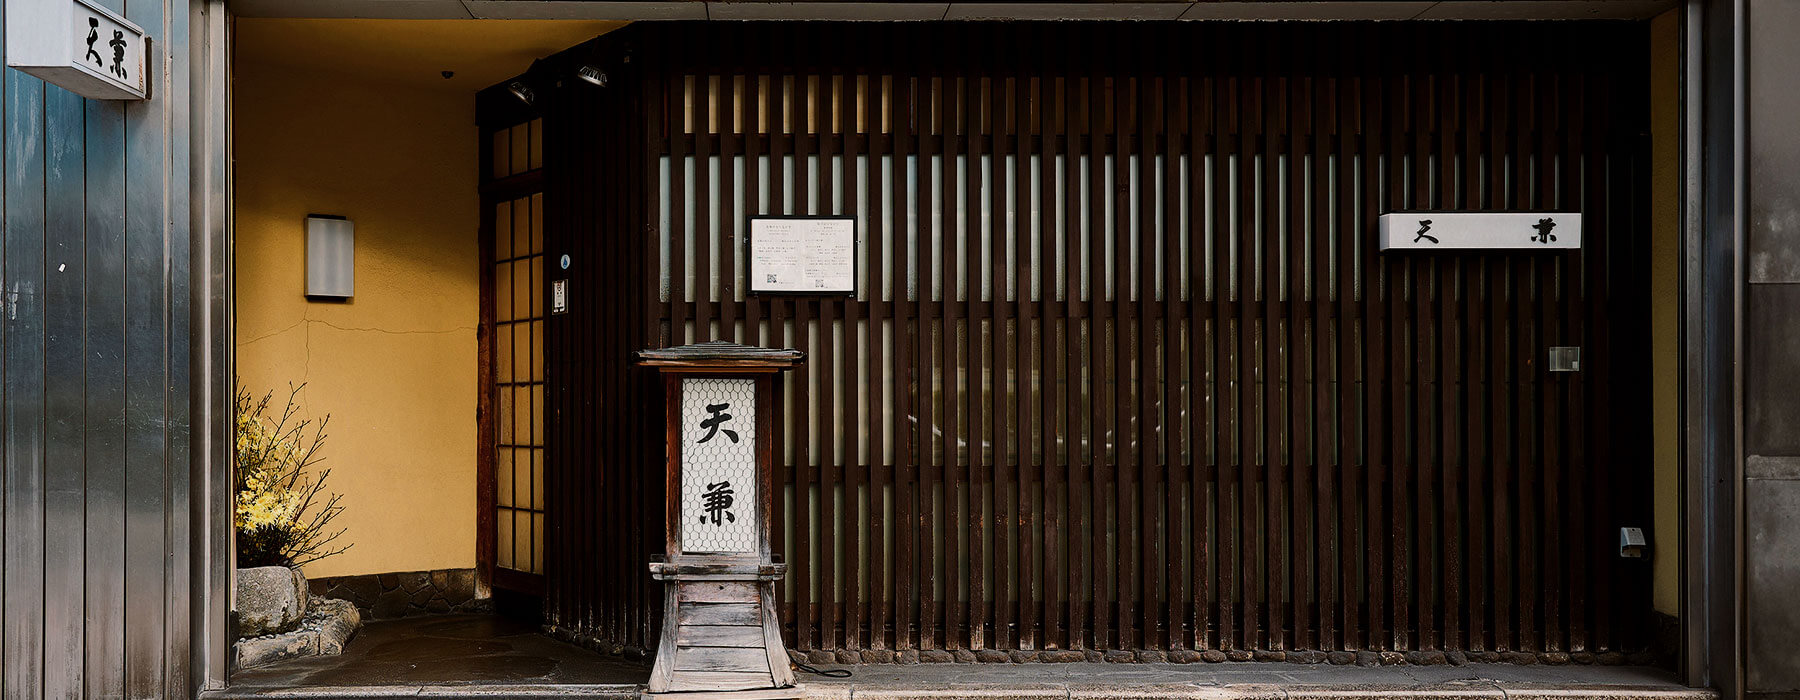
x: 395, y: 366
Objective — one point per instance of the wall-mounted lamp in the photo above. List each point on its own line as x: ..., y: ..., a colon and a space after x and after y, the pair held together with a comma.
x: 330, y: 257
x: 519, y: 89
x: 591, y: 75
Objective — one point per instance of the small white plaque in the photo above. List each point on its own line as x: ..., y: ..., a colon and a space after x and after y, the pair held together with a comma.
x: 559, y: 297
x: 802, y: 255
x: 718, y: 466
x: 1461, y: 230
x: 78, y: 45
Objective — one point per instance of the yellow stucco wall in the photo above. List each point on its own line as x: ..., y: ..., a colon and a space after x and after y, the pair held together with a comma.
x: 1665, y: 307
x: 354, y: 117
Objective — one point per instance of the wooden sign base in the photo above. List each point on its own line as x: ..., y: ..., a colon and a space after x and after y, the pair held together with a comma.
x: 720, y: 636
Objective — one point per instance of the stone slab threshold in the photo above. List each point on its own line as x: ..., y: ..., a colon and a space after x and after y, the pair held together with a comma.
x: 1237, y: 681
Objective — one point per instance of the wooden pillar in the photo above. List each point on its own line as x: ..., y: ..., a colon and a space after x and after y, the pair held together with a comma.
x: 720, y: 632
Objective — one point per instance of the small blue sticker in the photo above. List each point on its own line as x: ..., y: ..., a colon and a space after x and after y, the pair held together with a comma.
x: 565, y: 261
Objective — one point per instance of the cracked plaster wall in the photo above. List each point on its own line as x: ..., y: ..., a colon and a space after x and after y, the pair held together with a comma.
x: 395, y: 366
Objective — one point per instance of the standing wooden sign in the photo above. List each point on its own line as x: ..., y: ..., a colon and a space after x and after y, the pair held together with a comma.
x: 720, y: 633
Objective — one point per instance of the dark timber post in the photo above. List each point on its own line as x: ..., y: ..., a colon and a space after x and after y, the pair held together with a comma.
x: 720, y: 627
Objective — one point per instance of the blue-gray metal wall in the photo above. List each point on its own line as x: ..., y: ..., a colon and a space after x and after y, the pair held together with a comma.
x: 94, y: 351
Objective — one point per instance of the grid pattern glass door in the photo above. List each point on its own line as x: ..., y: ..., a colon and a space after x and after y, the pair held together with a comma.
x: 518, y: 357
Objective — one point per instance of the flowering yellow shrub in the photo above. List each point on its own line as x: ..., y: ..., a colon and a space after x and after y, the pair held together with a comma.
x: 278, y: 519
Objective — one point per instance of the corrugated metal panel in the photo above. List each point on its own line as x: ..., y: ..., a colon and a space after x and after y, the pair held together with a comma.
x: 94, y: 265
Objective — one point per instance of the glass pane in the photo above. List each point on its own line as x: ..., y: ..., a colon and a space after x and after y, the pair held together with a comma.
x: 521, y: 480
x: 537, y: 144
x: 523, y: 353
x: 537, y: 224
x: 537, y: 351
x: 537, y: 286
x: 503, y: 233
x: 502, y: 160
x: 521, y: 227
x: 537, y: 543
x: 522, y: 415
x: 503, y: 292
x: 521, y: 288
x: 503, y: 354
x: 503, y: 476
x: 537, y: 414
x: 522, y: 540
x: 503, y: 549
x: 503, y: 416
x: 537, y: 478
x: 521, y: 149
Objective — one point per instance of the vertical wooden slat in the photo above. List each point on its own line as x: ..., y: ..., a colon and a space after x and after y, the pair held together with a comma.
x: 931, y: 460
x: 1177, y: 385
x: 1076, y: 439
x: 1026, y: 579
x: 977, y: 499
x: 1148, y: 524
x: 1403, y: 467
x: 823, y: 409
x: 1477, y: 307
x: 1376, y: 436
x: 1202, y: 374
x: 1500, y: 379
x: 1327, y: 462
x: 800, y: 105
x: 1273, y: 419
x: 1352, y: 284
x: 1422, y: 375
x: 1099, y: 436
x: 907, y: 293
x: 1301, y: 458
x: 1451, y: 382
x: 700, y: 96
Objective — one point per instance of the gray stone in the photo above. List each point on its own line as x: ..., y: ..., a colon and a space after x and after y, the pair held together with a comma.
x: 1554, y: 658
x: 1213, y: 656
x: 1184, y: 656
x: 270, y: 600
x: 878, y: 656
x: 1340, y: 658
x: 935, y: 656
x: 1270, y: 655
x: 1092, y: 656
x: 1583, y: 658
x: 797, y: 657
x: 1490, y: 657
x: 963, y: 656
x: 1392, y: 658
x: 338, y: 622
x: 907, y: 657
x: 259, y: 651
x: 1239, y: 655
x: 1151, y: 656
x: 1368, y: 659
x: 848, y: 656
x: 1522, y: 658
x: 820, y: 656
x: 1062, y: 656
x: 1020, y: 656
x: 1117, y: 656
x: 1426, y: 658
x: 1306, y: 657
x: 991, y: 656
x: 1456, y: 658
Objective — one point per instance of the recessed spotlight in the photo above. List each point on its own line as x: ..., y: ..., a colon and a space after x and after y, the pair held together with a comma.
x: 522, y: 91
x: 591, y: 75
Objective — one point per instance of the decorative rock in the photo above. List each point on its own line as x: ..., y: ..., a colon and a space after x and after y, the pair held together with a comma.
x: 1019, y: 656
x: 878, y: 656
x: 1117, y: 656
x: 934, y: 656
x: 991, y: 656
x: 1456, y: 658
x: 820, y: 656
x: 270, y: 600
x: 1583, y: 658
x: 1092, y: 656
x: 1490, y: 657
x: 794, y: 656
x: 907, y: 657
x: 1062, y: 656
x: 1392, y: 658
x: 1270, y: 656
x: 848, y: 657
x: 1554, y: 658
x: 963, y: 656
x: 1185, y: 656
x: 339, y: 621
x: 1151, y: 656
x: 1213, y: 656
x: 1239, y: 655
x: 1610, y: 658
x: 1306, y: 657
x: 1520, y: 657
x: 1340, y: 658
x: 1425, y: 658
x: 324, y: 631
x: 1368, y: 659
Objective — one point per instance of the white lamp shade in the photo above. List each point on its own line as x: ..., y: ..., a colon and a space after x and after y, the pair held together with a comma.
x: 330, y: 257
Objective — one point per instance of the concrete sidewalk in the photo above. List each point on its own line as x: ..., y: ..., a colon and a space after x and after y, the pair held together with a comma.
x: 1247, y: 681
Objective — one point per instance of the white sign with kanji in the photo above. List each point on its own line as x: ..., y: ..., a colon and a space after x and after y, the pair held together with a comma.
x: 718, y: 466
x: 1462, y: 230
x: 78, y: 45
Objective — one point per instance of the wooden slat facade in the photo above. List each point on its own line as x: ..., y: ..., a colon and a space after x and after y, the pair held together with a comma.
x: 1125, y: 369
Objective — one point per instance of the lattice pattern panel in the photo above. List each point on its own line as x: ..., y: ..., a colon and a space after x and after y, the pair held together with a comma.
x: 718, y: 465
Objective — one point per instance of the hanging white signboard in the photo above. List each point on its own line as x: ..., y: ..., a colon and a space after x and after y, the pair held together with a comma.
x: 1459, y: 230
x: 78, y: 45
x: 802, y: 255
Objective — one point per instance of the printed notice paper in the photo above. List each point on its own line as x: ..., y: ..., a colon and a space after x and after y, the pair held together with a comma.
x: 802, y: 256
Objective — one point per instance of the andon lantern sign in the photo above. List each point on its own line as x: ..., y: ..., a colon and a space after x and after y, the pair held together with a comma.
x: 720, y: 629
x: 78, y: 45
